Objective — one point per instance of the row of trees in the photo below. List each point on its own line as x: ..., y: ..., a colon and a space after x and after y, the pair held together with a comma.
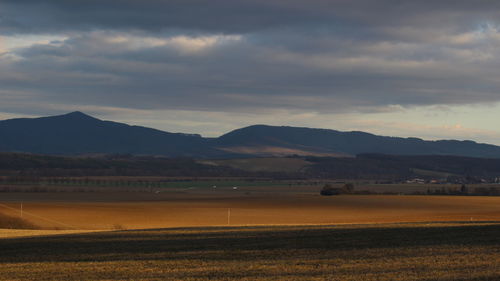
x: 68, y: 181
x: 465, y: 190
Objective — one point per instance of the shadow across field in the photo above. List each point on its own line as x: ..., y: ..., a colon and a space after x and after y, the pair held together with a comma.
x: 8, y: 222
x: 247, y: 243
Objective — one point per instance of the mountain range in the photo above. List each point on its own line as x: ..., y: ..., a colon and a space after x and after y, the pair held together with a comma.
x: 77, y: 133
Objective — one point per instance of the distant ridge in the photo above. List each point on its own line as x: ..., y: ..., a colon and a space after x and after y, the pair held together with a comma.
x: 350, y: 143
x: 77, y: 133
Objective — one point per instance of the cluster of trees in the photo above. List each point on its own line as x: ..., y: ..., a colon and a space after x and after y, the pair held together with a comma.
x: 329, y: 190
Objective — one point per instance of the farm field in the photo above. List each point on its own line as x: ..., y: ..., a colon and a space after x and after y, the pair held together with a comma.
x: 13, y: 233
x: 244, y: 206
x: 415, y: 251
x: 248, y: 233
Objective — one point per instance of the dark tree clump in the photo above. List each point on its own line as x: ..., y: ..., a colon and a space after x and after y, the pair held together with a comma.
x: 329, y: 190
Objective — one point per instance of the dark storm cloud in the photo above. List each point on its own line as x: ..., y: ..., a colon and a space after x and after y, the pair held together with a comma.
x: 151, y: 15
x: 236, y: 74
x: 252, y: 54
x: 240, y: 16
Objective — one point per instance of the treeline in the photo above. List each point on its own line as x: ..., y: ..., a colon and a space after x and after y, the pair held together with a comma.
x: 83, y: 181
x: 464, y: 191
x: 398, y: 168
x: 357, y: 168
x: 384, y: 168
x: 29, y: 166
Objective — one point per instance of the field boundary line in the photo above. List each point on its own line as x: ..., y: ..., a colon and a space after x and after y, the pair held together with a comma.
x: 39, y: 217
x: 225, y: 226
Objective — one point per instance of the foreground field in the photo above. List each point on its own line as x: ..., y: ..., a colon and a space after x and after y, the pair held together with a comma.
x: 273, y: 234
x: 94, y: 211
x: 460, y: 251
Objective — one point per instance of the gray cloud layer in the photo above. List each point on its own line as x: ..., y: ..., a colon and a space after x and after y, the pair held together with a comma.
x: 250, y: 55
x: 241, y: 16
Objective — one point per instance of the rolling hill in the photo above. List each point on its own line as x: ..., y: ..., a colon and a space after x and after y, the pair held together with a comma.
x: 77, y: 133
x: 309, y: 141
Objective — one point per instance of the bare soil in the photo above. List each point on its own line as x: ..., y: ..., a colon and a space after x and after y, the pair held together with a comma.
x: 237, y: 207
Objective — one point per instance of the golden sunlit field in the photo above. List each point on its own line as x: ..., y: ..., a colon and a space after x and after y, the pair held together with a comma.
x: 248, y: 233
x: 250, y: 206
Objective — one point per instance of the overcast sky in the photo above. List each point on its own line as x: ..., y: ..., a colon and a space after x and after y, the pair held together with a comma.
x: 428, y: 69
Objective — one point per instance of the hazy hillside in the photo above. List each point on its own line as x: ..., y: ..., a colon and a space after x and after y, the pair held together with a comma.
x: 333, y: 142
x: 77, y: 133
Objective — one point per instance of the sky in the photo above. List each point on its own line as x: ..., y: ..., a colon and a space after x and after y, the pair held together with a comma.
x: 426, y: 69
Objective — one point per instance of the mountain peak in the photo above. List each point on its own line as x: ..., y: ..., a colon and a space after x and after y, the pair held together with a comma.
x: 77, y: 114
